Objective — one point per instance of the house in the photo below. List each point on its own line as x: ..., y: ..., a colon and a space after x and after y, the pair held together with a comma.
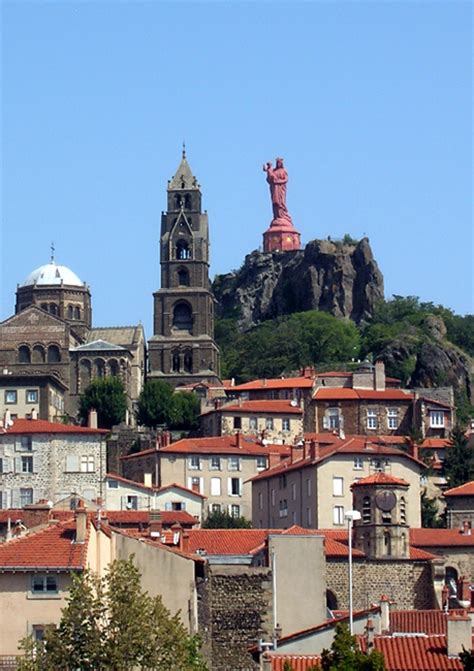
x: 460, y: 506
x: 28, y: 396
x: 47, y: 460
x: 279, y: 421
x: 313, y: 487
x: 217, y: 467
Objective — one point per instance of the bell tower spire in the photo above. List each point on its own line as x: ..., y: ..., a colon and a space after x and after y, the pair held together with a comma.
x: 182, y: 349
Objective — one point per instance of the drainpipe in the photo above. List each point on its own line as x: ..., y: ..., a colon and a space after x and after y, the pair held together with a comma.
x: 274, y: 595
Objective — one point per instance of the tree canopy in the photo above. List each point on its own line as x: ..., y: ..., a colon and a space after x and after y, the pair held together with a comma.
x: 110, y: 623
x: 160, y: 405
x: 459, y: 462
x: 107, y: 396
x: 345, y: 654
x: 222, y: 520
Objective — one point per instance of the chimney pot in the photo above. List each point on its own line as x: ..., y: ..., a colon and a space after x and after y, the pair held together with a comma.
x: 81, y: 522
x: 92, y: 422
x: 459, y: 634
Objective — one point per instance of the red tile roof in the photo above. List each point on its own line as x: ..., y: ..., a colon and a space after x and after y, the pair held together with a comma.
x: 29, y: 426
x: 435, y: 443
x: 131, y: 483
x: 297, y: 662
x: 264, y: 406
x: 463, y: 490
x: 415, y: 653
x: 222, y: 445
x: 50, y: 548
x: 440, y: 538
x: 276, y: 383
x: 380, y: 478
x: 345, y: 393
x: 153, y: 490
x: 420, y: 621
x: 142, y: 517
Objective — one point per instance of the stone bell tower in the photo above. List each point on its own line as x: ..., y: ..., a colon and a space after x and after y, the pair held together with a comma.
x: 182, y: 349
x: 383, y: 530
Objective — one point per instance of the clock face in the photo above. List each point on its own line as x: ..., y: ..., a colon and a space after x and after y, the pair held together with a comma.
x: 386, y: 500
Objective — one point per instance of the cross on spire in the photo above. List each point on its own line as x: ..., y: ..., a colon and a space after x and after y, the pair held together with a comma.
x: 52, y: 252
x: 184, y: 149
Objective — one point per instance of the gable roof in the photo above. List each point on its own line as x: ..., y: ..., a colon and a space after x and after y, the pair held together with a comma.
x: 440, y: 538
x: 380, y: 478
x: 50, y: 548
x: 430, y: 622
x: 137, y: 518
x: 31, y: 316
x: 276, y: 383
x: 463, y: 490
x: 118, y: 335
x: 98, y: 345
x: 346, y: 393
x: 414, y: 653
x: 31, y: 426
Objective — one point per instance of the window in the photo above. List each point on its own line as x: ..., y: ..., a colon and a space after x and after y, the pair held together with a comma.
x: 436, y: 419
x: 23, y: 444
x: 215, y: 464
x: 132, y: 502
x: 112, y: 484
x: 282, y: 481
x: 215, y: 486
x: 26, y: 464
x: 32, y: 396
x: 366, y: 510
x: 87, y: 464
x: 253, y: 424
x: 337, y: 486
x: 237, y: 422
x: 234, y: 486
x: 285, y: 424
x: 358, y: 463
x: 234, y: 463
x: 293, y: 491
x: 1, y: 467
x: 333, y: 418
x: 273, y: 497
x: 53, y: 355
x: 24, y: 354
x: 26, y: 496
x: 38, y: 632
x: 260, y: 500
x: 44, y: 584
x: 269, y: 423
x: 194, y: 463
x: 308, y: 516
x: 392, y: 418
x: 196, y: 484
x: 215, y: 508
x: 283, y: 508
x: 403, y: 510
x: 371, y: 419
x: 338, y: 515
x: 178, y: 505
x: 11, y: 396
x: 235, y: 510
x: 261, y: 463
x: 183, y: 278
x: 308, y: 487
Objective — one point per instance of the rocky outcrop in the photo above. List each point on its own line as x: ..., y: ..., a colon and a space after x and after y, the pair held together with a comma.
x: 342, y: 279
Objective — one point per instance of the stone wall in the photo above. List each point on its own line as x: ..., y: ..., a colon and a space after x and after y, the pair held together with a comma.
x: 235, y: 611
x: 408, y: 583
x: 121, y: 441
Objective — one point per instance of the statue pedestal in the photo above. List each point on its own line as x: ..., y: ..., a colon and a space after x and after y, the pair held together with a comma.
x: 281, y: 236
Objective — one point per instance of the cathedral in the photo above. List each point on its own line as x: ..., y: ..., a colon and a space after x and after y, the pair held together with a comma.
x: 49, y: 348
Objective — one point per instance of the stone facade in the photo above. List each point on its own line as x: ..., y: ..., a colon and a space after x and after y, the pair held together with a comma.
x: 408, y: 583
x: 182, y: 349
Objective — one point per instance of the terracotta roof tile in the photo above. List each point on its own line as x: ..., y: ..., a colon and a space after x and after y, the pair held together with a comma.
x: 345, y: 393
x: 380, y: 478
x: 440, y: 538
x: 51, y: 547
x: 420, y: 621
x: 29, y: 426
x: 276, y: 383
x: 415, y: 653
x: 264, y: 406
x: 297, y: 662
x: 142, y: 517
x: 463, y: 490
x: 435, y: 443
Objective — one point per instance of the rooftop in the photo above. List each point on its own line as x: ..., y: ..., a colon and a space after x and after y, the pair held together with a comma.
x: 346, y: 393
x: 31, y: 426
x: 380, y: 478
x: 463, y: 490
x: 50, y: 274
x: 270, y: 407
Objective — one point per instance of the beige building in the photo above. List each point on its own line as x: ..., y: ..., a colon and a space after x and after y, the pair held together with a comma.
x: 217, y: 467
x: 313, y: 488
x: 279, y: 422
x: 32, y: 396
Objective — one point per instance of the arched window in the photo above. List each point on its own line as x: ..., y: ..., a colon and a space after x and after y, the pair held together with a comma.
x: 182, y: 250
x: 175, y: 361
x: 451, y: 580
x: 188, y: 361
x: 54, y: 355
x: 77, y: 312
x: 99, y: 368
x: 24, y: 355
x: 85, y: 373
x: 38, y: 354
x: 404, y: 544
x: 182, y: 317
x: 183, y: 277
x: 114, y: 367
x: 70, y: 312
x: 403, y: 510
x: 53, y: 308
x: 187, y: 201
x: 387, y: 544
x: 177, y: 201
x: 331, y: 600
x: 44, y: 306
x: 366, y: 510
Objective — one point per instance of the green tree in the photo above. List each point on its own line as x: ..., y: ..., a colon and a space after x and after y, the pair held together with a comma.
x: 107, y: 396
x: 160, y: 405
x: 467, y: 659
x: 430, y: 516
x: 345, y: 655
x: 111, y: 624
x: 459, y: 463
x: 222, y: 520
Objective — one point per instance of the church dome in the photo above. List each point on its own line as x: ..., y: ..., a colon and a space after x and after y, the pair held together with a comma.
x: 52, y: 273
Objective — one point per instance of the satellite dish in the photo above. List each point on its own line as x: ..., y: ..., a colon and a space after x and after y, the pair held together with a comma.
x: 293, y: 403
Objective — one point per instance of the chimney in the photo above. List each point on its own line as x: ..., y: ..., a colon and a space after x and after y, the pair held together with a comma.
x: 34, y: 413
x: 264, y: 382
x: 379, y: 376
x: 370, y: 632
x: 464, y: 592
x: 166, y: 438
x: 459, y: 634
x: 155, y: 525
x: 274, y: 459
x: 314, y: 450
x: 414, y: 450
x: 306, y: 444
x: 147, y: 480
x: 7, y: 419
x: 177, y: 535
x: 240, y: 402
x: 92, y: 423
x: 81, y: 522
x: 297, y: 452
x: 185, y: 537
x: 384, y: 613
x: 238, y: 439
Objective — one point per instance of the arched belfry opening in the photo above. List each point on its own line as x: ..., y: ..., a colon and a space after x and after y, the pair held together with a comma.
x: 183, y: 317
x: 183, y: 250
x: 183, y: 277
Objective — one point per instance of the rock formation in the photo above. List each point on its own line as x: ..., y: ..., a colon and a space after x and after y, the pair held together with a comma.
x: 331, y: 276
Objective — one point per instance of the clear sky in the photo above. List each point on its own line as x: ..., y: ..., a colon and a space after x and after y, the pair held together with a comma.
x: 368, y: 102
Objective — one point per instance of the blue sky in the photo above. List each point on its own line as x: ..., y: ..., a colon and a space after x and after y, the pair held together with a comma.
x: 368, y: 102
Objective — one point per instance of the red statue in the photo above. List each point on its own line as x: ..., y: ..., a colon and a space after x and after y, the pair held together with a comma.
x: 278, y: 178
x: 281, y: 235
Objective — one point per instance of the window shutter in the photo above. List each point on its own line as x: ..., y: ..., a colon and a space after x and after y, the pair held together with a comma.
x: 17, y: 464
x: 37, y: 495
x: 123, y: 503
x: 240, y: 486
x: 229, y: 486
x: 7, y: 465
x: 201, y: 485
x: 325, y: 422
x: 6, y: 498
x: 72, y: 463
x: 15, y: 498
x: 168, y: 505
x: 35, y: 465
x: 183, y: 505
x: 190, y: 482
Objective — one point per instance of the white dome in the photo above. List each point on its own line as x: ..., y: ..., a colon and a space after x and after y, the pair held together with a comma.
x: 51, y: 273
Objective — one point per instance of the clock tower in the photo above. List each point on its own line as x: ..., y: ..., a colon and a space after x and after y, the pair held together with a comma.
x: 182, y: 349
x: 383, y: 531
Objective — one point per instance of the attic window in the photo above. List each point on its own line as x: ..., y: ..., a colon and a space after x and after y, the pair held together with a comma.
x: 44, y: 584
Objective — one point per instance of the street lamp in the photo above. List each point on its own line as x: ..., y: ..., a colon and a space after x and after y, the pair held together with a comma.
x: 350, y: 516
